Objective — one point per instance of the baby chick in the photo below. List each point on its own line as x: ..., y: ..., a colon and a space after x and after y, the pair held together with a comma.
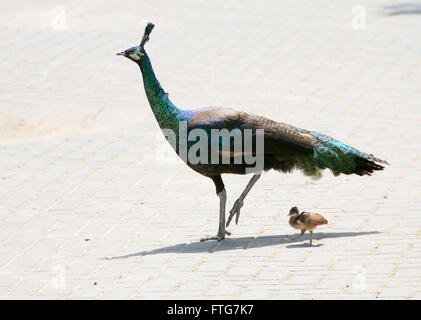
x: 305, y: 221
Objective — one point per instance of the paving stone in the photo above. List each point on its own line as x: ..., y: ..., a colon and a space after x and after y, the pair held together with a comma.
x: 85, y: 197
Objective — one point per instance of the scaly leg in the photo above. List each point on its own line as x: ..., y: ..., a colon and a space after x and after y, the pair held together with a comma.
x: 311, y: 237
x: 221, y: 230
x: 240, y: 201
x: 222, y: 194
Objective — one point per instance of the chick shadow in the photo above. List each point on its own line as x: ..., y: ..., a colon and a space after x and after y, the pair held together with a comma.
x: 305, y: 245
x: 243, y: 243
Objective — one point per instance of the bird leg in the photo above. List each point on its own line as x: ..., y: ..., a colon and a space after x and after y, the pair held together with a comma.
x: 311, y: 237
x: 240, y: 201
x: 221, y: 230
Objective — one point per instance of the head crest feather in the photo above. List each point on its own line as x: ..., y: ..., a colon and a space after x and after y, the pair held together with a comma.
x: 148, y: 31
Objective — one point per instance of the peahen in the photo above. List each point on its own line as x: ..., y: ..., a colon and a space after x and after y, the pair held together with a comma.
x: 285, y: 147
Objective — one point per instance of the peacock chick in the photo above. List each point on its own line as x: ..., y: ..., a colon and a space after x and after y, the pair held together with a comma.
x: 305, y: 221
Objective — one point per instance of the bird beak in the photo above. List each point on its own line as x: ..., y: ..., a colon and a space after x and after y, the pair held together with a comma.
x: 120, y: 53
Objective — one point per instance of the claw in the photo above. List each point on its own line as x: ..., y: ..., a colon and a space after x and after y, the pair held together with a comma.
x: 237, y: 216
x: 235, y: 211
x: 229, y: 220
x: 211, y: 238
x: 218, y: 237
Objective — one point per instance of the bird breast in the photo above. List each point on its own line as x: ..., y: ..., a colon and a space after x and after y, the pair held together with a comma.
x: 296, y: 223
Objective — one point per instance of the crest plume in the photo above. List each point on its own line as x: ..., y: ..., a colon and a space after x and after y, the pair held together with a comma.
x: 148, y: 31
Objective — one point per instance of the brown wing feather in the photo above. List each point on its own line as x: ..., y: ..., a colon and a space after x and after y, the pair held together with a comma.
x: 278, y: 137
x: 311, y: 219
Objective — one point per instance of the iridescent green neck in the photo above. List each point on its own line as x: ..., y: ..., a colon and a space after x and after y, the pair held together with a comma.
x: 166, y: 113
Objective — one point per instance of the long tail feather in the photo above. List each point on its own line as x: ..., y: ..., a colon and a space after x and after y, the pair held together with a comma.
x: 341, y: 158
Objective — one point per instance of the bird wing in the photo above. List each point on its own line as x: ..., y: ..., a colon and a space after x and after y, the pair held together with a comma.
x: 286, y: 147
x: 279, y: 138
x: 311, y: 219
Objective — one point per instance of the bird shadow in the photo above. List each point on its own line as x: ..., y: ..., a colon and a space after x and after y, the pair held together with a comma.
x: 244, y: 243
x: 304, y: 245
x: 403, y: 8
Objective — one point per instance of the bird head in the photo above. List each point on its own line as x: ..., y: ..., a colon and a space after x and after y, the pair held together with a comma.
x: 294, y: 211
x: 137, y: 52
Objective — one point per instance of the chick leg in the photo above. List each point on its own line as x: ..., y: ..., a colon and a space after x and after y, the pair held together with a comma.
x: 240, y: 201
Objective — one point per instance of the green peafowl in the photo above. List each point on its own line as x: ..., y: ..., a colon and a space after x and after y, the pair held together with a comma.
x: 285, y: 147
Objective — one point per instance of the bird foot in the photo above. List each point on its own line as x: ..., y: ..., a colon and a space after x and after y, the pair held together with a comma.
x: 219, y: 237
x: 236, y: 209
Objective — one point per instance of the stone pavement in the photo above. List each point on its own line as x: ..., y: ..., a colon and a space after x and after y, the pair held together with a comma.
x: 93, y: 204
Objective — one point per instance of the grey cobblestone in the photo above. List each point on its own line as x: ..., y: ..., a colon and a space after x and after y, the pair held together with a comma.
x: 87, y: 210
